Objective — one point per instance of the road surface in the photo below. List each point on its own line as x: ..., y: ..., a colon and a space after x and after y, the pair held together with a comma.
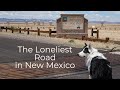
x: 9, y: 55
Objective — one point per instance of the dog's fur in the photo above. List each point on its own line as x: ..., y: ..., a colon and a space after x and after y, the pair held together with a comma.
x: 98, y: 66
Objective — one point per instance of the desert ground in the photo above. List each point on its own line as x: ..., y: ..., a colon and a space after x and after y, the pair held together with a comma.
x: 107, y: 30
x: 31, y: 25
x: 11, y: 40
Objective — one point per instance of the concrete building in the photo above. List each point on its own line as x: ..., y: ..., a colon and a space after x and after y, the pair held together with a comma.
x: 72, y: 26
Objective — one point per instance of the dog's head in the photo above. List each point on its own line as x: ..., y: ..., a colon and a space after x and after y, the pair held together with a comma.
x: 87, y: 49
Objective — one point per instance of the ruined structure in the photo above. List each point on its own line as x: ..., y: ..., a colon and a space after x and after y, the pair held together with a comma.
x: 72, y: 26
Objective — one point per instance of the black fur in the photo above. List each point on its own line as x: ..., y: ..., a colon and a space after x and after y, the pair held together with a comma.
x: 99, y: 69
x: 86, y: 50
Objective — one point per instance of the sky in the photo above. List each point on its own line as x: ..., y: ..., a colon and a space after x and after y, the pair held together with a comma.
x: 112, y: 16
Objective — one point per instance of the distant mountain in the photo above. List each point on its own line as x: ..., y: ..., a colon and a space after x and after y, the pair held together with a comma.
x: 24, y: 20
x: 48, y: 20
x: 105, y: 22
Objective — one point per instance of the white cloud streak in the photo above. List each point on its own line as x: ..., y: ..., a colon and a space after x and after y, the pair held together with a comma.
x: 90, y: 15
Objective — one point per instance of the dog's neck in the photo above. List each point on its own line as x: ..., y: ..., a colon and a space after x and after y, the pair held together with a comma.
x: 94, y: 52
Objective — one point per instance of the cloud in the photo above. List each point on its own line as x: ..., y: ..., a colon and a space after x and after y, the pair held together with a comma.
x: 114, y: 12
x: 90, y: 15
x: 3, y: 13
x: 107, y: 16
x: 94, y: 17
x: 94, y: 11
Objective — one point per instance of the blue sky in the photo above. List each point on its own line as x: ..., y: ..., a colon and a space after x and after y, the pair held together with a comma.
x: 113, y: 16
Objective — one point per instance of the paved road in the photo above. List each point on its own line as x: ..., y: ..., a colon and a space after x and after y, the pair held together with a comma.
x: 9, y: 54
x: 82, y: 75
x: 9, y: 50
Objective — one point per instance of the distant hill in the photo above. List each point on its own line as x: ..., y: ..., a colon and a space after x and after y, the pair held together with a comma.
x: 48, y: 20
x: 24, y: 20
x: 105, y: 22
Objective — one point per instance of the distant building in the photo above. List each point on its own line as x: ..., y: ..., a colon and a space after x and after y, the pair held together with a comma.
x: 72, y: 25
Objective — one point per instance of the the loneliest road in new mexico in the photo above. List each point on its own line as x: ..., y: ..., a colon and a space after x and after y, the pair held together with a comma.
x: 11, y: 50
x: 65, y: 65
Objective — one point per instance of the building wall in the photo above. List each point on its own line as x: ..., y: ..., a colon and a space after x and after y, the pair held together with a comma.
x: 86, y: 25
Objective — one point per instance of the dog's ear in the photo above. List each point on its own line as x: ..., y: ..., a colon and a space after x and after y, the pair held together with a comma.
x: 85, y: 44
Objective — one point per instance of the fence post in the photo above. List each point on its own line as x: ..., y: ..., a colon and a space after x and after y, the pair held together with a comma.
x: 12, y: 30
x: 97, y: 34
x: 28, y: 31
x: 50, y: 32
x: 25, y: 29
x: 92, y: 32
x: 0, y: 29
x: 19, y: 30
x: 6, y: 29
x: 38, y: 32
x: 83, y: 37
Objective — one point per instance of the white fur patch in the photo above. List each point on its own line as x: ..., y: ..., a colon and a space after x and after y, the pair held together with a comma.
x: 115, y: 53
x: 89, y: 56
x: 81, y: 54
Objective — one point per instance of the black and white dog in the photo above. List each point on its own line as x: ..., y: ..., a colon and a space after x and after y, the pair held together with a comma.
x: 98, y: 66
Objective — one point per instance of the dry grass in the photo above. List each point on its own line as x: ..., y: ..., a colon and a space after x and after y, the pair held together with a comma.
x: 46, y: 26
x: 111, y: 33
x: 60, y: 41
x: 108, y: 30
